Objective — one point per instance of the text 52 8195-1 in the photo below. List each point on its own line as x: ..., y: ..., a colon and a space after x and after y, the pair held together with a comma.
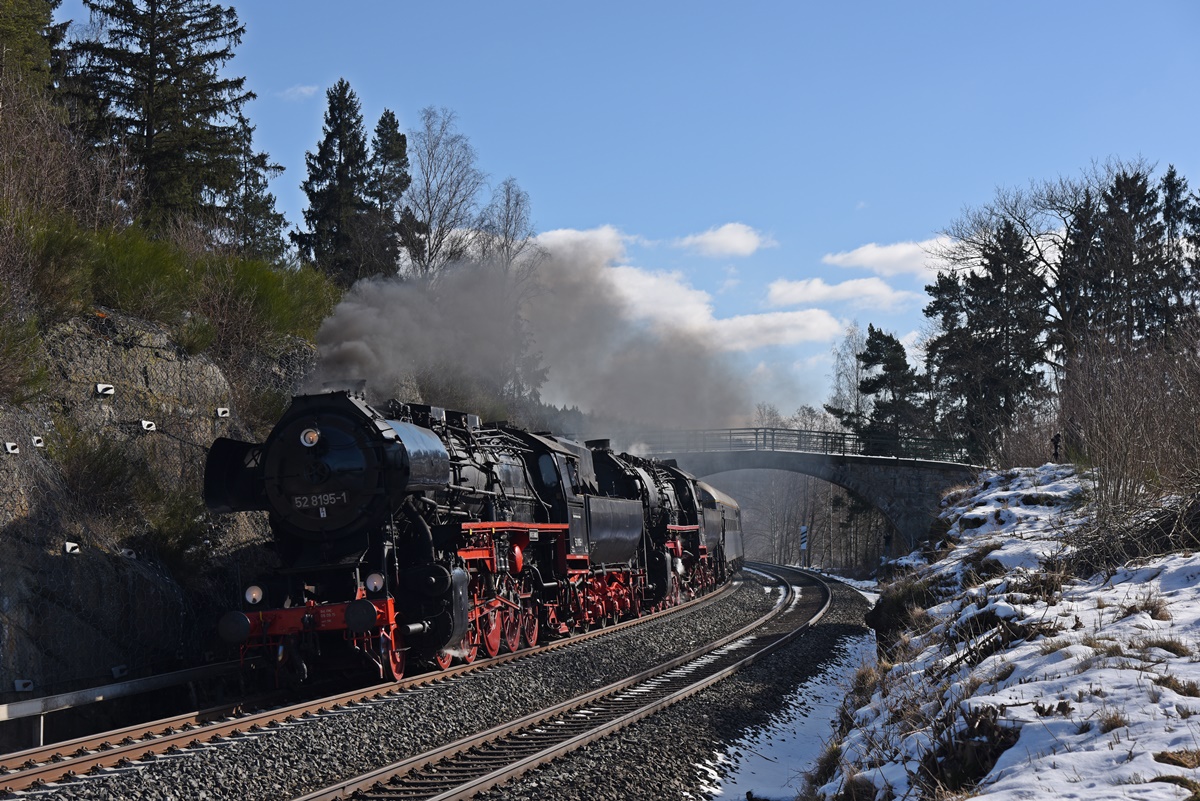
x: 324, y: 499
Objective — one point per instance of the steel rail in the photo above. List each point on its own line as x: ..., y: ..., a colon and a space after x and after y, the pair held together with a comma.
x: 480, y: 762
x: 38, y: 767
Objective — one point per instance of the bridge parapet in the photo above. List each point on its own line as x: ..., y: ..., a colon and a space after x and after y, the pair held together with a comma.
x: 905, y: 488
x: 839, y: 443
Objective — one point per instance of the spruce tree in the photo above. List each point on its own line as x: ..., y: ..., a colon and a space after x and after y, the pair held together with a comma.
x: 897, y: 412
x: 1137, y: 288
x: 896, y: 408
x: 256, y: 225
x: 28, y: 40
x: 336, y: 187
x: 387, y: 180
x: 156, y: 69
x: 984, y: 357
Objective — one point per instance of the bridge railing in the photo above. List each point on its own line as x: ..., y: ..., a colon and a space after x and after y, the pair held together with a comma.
x: 788, y: 439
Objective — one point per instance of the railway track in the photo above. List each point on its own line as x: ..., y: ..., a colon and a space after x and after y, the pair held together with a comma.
x: 39, y: 768
x: 481, y: 762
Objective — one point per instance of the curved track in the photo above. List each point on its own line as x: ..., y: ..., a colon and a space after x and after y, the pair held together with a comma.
x: 37, y: 768
x: 478, y: 763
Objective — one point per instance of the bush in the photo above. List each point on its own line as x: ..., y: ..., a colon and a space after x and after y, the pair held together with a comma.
x: 62, y: 259
x: 141, y: 277
x: 178, y: 528
x: 22, y: 374
x: 102, y: 472
x: 252, y: 307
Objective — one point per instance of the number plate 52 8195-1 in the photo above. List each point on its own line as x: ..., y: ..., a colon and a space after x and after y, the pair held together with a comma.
x: 322, y: 499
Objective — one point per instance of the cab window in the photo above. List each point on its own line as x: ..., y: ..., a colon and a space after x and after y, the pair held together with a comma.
x: 549, y: 474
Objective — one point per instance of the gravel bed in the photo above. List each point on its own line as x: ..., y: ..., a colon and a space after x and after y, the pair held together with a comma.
x: 658, y: 758
x: 295, y: 759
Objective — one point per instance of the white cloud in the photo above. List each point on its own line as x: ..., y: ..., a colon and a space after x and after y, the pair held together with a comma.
x: 913, y: 258
x: 667, y: 301
x: 870, y: 293
x: 298, y: 92
x: 731, y: 239
x: 664, y: 297
x: 749, y: 331
x: 818, y: 361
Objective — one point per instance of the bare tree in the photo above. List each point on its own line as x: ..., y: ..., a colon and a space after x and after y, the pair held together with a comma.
x: 509, y: 252
x: 766, y: 415
x: 444, y: 194
x: 506, y: 232
x: 848, y: 373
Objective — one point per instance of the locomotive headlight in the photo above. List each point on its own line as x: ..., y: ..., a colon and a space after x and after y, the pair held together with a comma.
x: 254, y: 594
x: 375, y: 582
x: 309, y: 437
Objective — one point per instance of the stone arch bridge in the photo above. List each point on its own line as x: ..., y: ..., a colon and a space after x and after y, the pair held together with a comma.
x: 906, y: 489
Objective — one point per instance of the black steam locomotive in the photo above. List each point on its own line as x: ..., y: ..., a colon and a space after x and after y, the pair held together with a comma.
x: 418, y: 533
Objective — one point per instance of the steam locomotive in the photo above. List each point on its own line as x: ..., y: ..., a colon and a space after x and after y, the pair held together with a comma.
x: 420, y: 534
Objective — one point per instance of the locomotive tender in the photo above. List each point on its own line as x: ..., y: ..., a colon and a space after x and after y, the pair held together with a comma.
x: 418, y: 533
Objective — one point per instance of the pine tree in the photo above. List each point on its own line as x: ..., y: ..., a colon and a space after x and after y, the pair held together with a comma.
x: 337, y: 187
x: 256, y: 225
x: 897, y: 412
x: 28, y: 40
x: 387, y: 180
x: 156, y: 68
x: 984, y: 357
x: 896, y: 408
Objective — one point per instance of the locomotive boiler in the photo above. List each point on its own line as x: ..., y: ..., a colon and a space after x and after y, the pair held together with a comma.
x: 416, y: 533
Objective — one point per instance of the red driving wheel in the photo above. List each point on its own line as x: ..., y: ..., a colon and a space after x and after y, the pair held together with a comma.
x: 489, y: 632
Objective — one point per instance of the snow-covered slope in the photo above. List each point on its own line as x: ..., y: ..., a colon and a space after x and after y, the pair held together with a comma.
x: 1019, y: 681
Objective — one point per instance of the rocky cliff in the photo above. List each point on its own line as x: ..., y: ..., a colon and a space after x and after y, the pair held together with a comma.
x: 109, y: 565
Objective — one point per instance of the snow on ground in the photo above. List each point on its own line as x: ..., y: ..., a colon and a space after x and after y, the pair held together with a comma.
x: 1092, y: 692
x: 769, y: 761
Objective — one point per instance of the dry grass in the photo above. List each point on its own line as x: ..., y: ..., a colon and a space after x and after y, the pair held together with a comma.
x: 1152, y: 604
x: 1052, y: 646
x: 1184, y: 782
x: 1171, y: 645
x: 978, y: 568
x: 1112, y: 719
x: 1189, y: 688
x: 1103, y: 646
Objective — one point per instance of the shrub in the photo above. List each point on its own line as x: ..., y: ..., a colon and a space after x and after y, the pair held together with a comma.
x: 62, y: 261
x: 252, y: 307
x: 22, y: 374
x: 178, y: 527
x: 901, y: 603
x: 196, y: 334
x: 140, y: 276
x: 102, y: 472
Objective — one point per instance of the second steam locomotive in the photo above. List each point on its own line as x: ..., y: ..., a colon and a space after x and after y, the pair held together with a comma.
x: 416, y: 533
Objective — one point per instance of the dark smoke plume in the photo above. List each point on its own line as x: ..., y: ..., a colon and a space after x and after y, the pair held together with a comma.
x: 598, y: 356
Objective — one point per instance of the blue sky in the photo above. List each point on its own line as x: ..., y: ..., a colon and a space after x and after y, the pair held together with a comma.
x: 742, y: 163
